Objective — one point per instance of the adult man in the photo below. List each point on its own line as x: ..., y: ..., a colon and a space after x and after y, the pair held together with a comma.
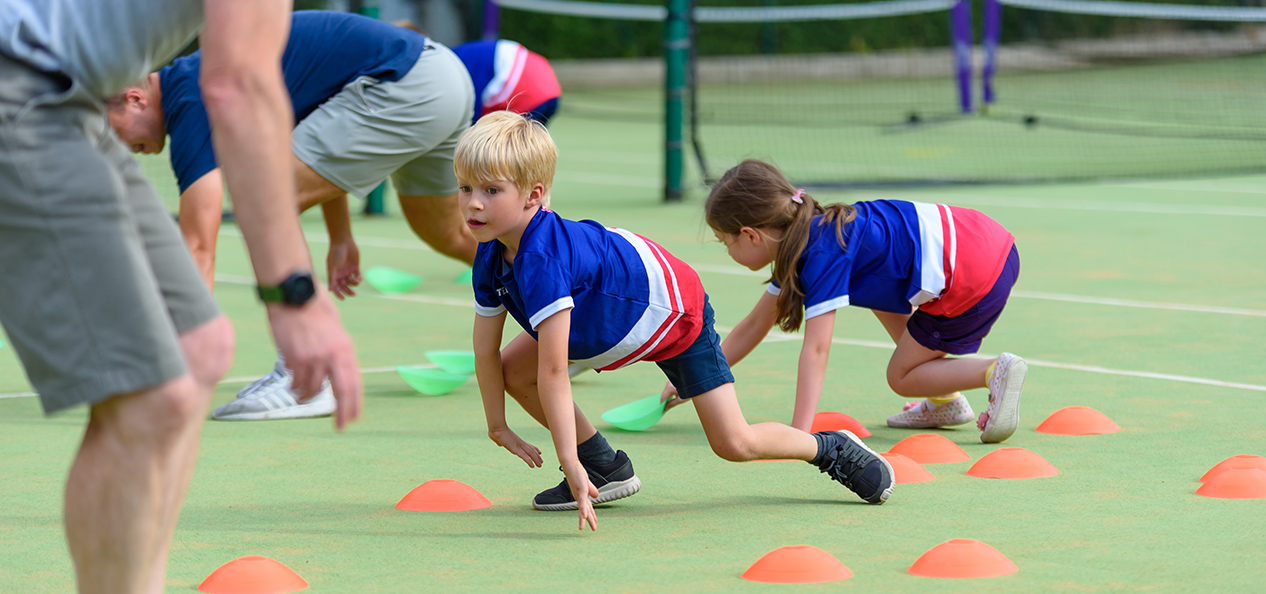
x: 371, y: 101
x: 100, y: 298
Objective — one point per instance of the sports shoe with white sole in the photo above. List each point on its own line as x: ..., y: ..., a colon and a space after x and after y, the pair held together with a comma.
x: 849, y: 461
x: 614, y: 481
x: 270, y: 398
x: 930, y: 415
x: 998, y: 422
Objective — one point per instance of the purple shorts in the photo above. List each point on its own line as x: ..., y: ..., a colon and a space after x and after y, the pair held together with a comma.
x: 961, y: 334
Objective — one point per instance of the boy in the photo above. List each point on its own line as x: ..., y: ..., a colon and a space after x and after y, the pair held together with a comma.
x: 604, y: 298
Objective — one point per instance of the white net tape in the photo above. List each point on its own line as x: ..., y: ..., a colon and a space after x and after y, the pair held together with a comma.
x: 632, y: 12
x: 1146, y: 10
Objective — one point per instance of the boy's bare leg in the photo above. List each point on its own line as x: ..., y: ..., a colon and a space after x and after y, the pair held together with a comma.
x: 519, y: 367
x: 733, y: 439
x: 128, y: 481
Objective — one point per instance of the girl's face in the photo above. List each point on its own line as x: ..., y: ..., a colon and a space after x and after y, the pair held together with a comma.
x: 752, y: 248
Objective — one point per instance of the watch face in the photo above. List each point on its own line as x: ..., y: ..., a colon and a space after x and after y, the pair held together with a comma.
x: 301, y: 289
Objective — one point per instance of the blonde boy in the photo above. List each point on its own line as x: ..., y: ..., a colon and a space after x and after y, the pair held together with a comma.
x: 604, y: 298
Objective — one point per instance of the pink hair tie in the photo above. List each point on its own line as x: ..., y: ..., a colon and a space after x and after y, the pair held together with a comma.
x: 797, y: 196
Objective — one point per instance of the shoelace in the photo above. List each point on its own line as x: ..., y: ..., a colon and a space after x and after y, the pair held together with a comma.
x: 261, y: 382
x: 843, y: 454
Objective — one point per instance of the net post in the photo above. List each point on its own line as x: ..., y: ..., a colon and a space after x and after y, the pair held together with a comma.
x: 373, y: 202
x: 961, y: 34
x: 492, y: 21
x: 676, y: 52
x: 991, y: 37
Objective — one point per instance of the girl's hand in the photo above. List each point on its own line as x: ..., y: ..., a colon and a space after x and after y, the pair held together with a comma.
x: 669, y: 395
x: 509, y: 440
x: 582, y: 490
x: 343, y: 262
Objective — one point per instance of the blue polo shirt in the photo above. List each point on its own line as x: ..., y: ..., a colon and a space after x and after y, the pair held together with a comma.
x: 325, y: 52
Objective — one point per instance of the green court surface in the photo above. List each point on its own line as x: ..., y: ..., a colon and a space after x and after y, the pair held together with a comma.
x: 1142, y: 299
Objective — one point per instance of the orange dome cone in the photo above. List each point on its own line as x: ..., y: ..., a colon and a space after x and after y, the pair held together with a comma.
x: 838, y: 421
x: 907, y: 471
x: 252, y: 574
x: 1236, y: 483
x: 1012, y: 463
x: 797, y: 564
x: 1078, y: 420
x: 930, y: 448
x: 962, y: 558
x: 443, y: 495
x: 1241, y: 461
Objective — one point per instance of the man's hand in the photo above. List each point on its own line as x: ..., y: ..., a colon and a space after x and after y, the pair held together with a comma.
x: 343, y: 263
x: 315, y: 346
x: 509, y: 440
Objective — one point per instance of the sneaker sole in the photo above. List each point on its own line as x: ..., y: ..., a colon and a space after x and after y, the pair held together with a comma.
x: 301, y: 411
x: 1007, y: 409
x: 929, y: 425
x: 609, y: 492
x: 891, y: 474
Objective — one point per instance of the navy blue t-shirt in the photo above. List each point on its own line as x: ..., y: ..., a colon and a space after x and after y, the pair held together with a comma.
x: 325, y: 52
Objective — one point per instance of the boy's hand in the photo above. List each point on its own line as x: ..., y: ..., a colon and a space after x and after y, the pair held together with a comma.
x: 669, y: 395
x: 509, y: 440
x: 343, y: 262
x: 581, y: 491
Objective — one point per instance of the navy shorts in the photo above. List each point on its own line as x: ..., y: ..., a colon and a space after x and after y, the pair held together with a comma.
x: 961, y: 334
x: 702, y: 367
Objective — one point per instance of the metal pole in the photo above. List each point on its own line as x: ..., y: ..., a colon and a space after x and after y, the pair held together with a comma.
x: 374, y: 201
x: 676, y: 53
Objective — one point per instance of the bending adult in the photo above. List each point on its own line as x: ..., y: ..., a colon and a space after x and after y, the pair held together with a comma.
x: 100, y: 298
x: 371, y: 100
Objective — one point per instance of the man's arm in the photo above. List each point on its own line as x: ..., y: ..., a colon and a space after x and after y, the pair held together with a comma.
x: 251, y: 118
x: 201, y: 207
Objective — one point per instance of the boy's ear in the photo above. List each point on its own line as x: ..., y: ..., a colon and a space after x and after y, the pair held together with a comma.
x: 536, y: 195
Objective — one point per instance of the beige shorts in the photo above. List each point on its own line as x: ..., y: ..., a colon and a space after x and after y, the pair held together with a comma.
x: 98, y: 283
x: 406, y: 129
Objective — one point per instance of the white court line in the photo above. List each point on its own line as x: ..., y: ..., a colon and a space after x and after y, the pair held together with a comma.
x: 247, y: 380
x: 1194, y: 187
x: 736, y: 271
x: 777, y: 336
x: 1136, y: 207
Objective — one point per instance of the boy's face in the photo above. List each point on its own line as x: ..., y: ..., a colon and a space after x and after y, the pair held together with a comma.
x: 495, y: 209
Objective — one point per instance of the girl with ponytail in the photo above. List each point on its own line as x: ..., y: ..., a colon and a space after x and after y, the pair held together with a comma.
x: 936, y: 276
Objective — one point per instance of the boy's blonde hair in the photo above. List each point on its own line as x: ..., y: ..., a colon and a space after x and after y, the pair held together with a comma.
x: 507, y: 146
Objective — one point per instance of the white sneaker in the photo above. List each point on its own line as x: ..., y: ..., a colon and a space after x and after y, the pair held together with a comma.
x: 930, y: 415
x: 998, y: 422
x: 270, y: 398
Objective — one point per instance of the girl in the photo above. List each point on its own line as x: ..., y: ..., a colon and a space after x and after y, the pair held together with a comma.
x: 954, y: 267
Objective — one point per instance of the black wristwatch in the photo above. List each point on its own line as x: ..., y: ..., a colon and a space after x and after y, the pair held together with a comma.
x: 296, y: 290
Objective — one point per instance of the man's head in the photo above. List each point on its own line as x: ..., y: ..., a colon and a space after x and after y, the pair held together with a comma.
x: 136, y: 114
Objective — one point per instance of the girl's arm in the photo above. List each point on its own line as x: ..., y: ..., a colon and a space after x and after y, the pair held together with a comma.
x: 487, y: 339
x: 556, y: 401
x: 742, y: 340
x: 812, y: 371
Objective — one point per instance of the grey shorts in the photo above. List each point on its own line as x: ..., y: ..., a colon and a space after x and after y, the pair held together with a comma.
x: 98, y: 283
x: 406, y: 129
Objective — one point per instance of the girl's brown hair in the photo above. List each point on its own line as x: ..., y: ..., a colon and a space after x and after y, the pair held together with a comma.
x: 756, y: 194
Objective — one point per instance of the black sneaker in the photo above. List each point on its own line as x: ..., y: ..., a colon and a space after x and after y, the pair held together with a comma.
x: 614, y: 481
x: 847, y: 460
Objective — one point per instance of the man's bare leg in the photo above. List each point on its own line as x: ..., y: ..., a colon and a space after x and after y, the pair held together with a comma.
x: 438, y: 221
x: 128, y: 481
